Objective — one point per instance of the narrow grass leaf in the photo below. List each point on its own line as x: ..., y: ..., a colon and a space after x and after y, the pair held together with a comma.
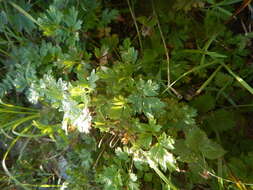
x: 164, y: 178
x: 189, y: 72
x: 210, y: 53
x: 27, y: 135
x: 17, y: 107
x: 208, y: 80
x: 15, y: 112
x: 4, y: 161
x: 26, y: 14
x: 239, y: 79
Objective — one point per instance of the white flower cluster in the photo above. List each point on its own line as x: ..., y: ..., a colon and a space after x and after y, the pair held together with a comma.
x: 79, y: 118
x: 83, y: 122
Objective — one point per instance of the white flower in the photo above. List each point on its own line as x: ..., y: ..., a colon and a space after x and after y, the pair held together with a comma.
x: 33, y: 95
x: 83, y: 122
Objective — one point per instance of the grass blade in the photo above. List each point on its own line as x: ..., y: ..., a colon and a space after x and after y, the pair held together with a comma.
x: 239, y: 79
x: 225, y: 3
x: 22, y: 11
x: 208, y: 80
x: 4, y: 161
x: 16, y: 112
x: 27, y: 135
x: 164, y: 178
x: 210, y: 53
x: 23, y: 120
x: 17, y: 107
x: 189, y: 72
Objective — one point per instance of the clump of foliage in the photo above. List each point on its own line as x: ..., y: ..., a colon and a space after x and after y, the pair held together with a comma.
x: 125, y: 95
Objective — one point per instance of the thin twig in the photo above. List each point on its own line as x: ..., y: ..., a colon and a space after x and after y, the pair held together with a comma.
x: 164, y: 44
x: 166, y: 53
x: 135, y: 24
x: 244, y: 27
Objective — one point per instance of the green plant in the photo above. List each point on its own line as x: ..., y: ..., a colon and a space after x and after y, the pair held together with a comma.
x: 127, y: 95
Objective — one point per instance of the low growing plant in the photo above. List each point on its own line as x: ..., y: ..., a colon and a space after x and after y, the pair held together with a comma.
x: 125, y: 95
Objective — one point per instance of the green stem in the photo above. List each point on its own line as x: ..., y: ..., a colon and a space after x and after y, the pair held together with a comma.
x: 135, y: 24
